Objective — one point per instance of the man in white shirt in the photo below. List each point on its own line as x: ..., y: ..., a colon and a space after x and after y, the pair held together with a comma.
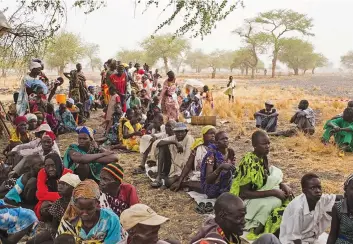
x: 307, y: 216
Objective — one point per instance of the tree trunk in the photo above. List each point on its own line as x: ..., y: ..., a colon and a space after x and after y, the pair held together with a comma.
x: 313, y: 71
x: 214, y: 73
x: 165, y: 60
x: 231, y: 70
x: 296, y: 71
x: 242, y: 71
x: 197, y: 70
x: 246, y: 70
x: 252, y: 73
x: 3, y: 73
x: 304, y: 71
x: 92, y: 68
x: 61, y: 71
x: 274, y: 63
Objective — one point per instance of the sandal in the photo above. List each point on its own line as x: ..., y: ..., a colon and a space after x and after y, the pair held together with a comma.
x: 208, y: 207
x: 139, y: 170
x: 200, y: 209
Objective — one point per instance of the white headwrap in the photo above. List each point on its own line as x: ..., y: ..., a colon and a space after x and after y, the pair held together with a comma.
x: 34, y: 65
x: 70, y: 100
x: 71, y: 179
x: 30, y: 117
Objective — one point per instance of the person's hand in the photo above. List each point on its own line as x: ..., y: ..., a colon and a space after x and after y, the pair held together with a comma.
x: 12, y: 153
x: 279, y: 194
x: 175, y: 186
x: 287, y: 190
x: 179, y: 147
x: 227, y: 167
x: 336, y: 128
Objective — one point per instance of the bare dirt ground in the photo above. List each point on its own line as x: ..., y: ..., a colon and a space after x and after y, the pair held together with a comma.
x: 295, y: 156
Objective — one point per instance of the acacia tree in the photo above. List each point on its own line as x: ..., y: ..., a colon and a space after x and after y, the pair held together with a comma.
x: 179, y: 61
x: 64, y: 49
x: 242, y: 59
x: 166, y: 47
x: 215, y: 61
x: 319, y: 61
x: 347, y: 60
x: 197, y: 60
x: 134, y: 56
x: 91, y: 50
x: 279, y: 22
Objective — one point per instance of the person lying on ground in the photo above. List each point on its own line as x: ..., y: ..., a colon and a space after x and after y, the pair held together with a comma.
x: 143, y: 224
x: 217, y: 167
x: 15, y: 223
x: 266, y: 119
x: 342, y: 130
x: 256, y: 181
x: 115, y: 194
x: 85, y: 159
x: 66, y: 185
x: 228, y: 224
x: 86, y: 221
x: 341, y: 231
x: 173, y: 153
x: 23, y: 190
x: 190, y: 175
x: 47, y: 184
x: 308, y: 215
x: 151, y: 150
x: 132, y: 133
x: 65, y: 119
x: 349, y: 105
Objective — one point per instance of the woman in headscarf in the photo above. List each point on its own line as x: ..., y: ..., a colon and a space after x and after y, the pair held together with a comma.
x: 47, y: 184
x: 85, y: 159
x: 86, y: 221
x: 132, y: 133
x: 32, y: 121
x: 115, y: 194
x: 190, y: 176
x: 168, y: 98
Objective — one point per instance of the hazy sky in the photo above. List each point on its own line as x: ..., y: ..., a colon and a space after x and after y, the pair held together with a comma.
x: 115, y: 26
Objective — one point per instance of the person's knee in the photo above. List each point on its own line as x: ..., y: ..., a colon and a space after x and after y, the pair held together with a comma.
x: 267, y: 239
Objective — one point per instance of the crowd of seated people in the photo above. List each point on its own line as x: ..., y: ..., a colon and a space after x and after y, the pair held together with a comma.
x: 83, y: 198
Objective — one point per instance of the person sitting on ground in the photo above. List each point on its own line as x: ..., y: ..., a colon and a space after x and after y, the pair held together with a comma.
x: 342, y: 130
x: 132, y: 133
x: 145, y: 99
x: 304, y: 118
x: 114, y: 100
x: 266, y: 119
x: 32, y: 121
x: 143, y: 224
x: 195, y: 108
x: 115, y: 194
x: 228, y: 224
x: 173, y: 153
x: 307, y: 216
x: 66, y: 185
x: 23, y: 190
x: 256, y: 180
x: 190, y: 176
x: 75, y: 111
x: 51, y: 119
x: 65, y: 119
x: 86, y: 221
x: 153, y: 109
x: 86, y: 159
x: 18, y: 135
x: 133, y: 101
x: 349, y: 105
x: 341, y: 231
x: 15, y: 223
x: 40, y: 118
x: 217, y: 167
x: 47, y: 184
x: 185, y: 103
x: 128, y: 116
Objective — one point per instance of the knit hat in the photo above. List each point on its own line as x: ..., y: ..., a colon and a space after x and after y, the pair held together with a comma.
x: 116, y: 170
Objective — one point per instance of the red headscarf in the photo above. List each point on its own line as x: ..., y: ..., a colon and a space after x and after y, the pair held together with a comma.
x: 20, y: 119
x: 141, y: 72
x: 50, y: 134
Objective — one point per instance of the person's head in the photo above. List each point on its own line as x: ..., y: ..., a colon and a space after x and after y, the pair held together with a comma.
x: 208, y: 133
x: 65, y: 239
x: 206, y: 88
x: 180, y: 131
x: 59, y: 81
x: 35, y: 69
x: 50, y: 108
x: 33, y: 164
x: 111, y: 177
x: 230, y: 78
x: 40, y: 117
x: 53, y: 165
x: 171, y: 76
x: 85, y: 136
x: 39, y: 90
x: 156, y: 100
x: 21, y: 124
x: 67, y: 183
x: 47, y: 141
x: 136, y: 119
x: 112, y: 65
x: 146, y: 67
x: 15, y: 97
x: 137, y: 66
x: 222, y: 139
x: 112, y: 90
x: 39, y: 132
x: 130, y: 65
x: 158, y: 120
x: 37, y: 60
x: 261, y: 143
x: 169, y: 127
x: 311, y: 187
x: 269, y: 105
x: 133, y: 94
x: 129, y: 113
x: 195, y: 91
x: 230, y: 213
x: 348, y: 188
x: 70, y: 102
x: 350, y: 104
x: 348, y: 114
x: 32, y: 121
x: 303, y: 104
x: 78, y: 67
x: 159, y: 85
x: 142, y: 223
x: 62, y: 107
x: 157, y: 71
x: 85, y: 197
x: 91, y: 89
x: 143, y: 92
x: 120, y: 69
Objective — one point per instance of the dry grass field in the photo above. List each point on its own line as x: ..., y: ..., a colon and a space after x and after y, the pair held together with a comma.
x: 295, y: 156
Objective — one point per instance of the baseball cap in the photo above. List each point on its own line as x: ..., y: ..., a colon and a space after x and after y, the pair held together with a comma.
x: 140, y: 214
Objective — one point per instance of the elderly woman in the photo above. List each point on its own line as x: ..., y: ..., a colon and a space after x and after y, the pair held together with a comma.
x: 259, y: 184
x: 168, y: 99
x: 115, y: 194
x: 190, y: 176
x: 86, y: 221
x: 85, y: 159
x: 47, y: 184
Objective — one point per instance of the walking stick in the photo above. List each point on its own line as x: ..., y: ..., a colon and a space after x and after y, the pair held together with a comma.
x: 3, y: 125
x: 7, y: 116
